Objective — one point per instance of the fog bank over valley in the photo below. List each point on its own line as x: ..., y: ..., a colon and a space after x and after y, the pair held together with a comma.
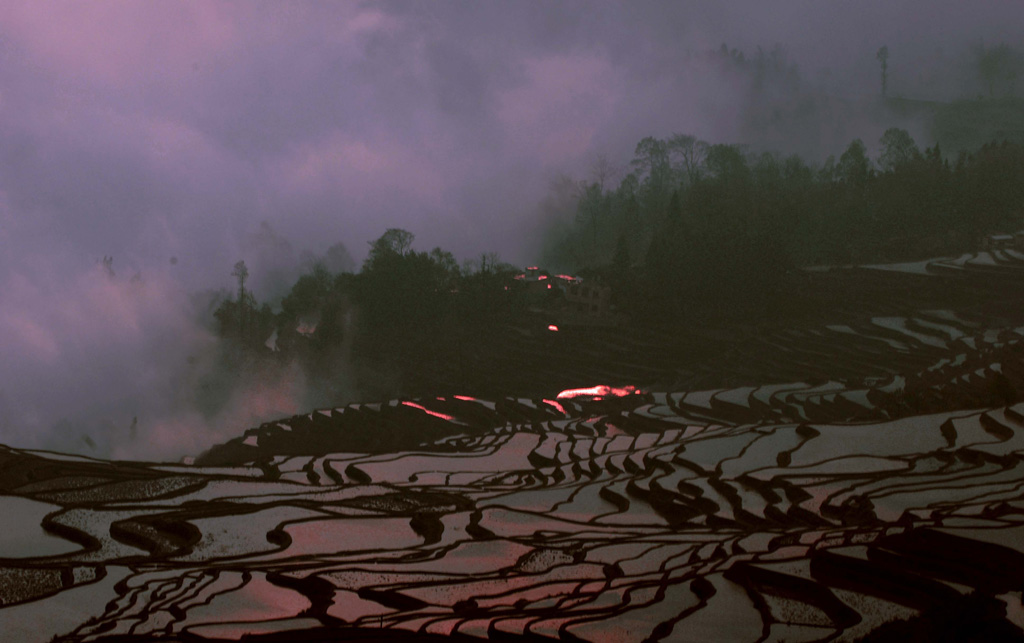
x: 145, y: 149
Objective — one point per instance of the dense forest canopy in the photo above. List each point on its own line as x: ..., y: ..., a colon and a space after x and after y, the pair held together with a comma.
x: 702, y: 220
x: 691, y: 226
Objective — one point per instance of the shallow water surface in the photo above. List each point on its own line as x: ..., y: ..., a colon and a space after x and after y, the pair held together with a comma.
x: 23, y: 535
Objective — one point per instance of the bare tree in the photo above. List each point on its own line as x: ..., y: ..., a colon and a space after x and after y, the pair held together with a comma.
x: 688, y: 153
x: 898, y: 149
x: 883, y: 57
x: 603, y: 170
x: 394, y: 241
x: 241, y: 273
x: 651, y: 158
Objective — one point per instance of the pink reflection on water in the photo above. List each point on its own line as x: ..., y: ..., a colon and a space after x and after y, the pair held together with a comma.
x: 553, y: 328
x: 443, y: 416
x: 597, y: 392
x: 557, y: 406
x: 240, y: 611
x: 465, y: 398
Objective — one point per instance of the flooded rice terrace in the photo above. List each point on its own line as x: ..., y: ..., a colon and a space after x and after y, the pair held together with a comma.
x: 798, y: 511
x: 653, y: 516
x: 511, y: 321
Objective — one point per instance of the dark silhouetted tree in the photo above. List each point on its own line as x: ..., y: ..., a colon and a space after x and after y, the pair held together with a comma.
x: 602, y: 171
x: 898, y: 149
x: 883, y: 57
x: 242, y: 313
x: 854, y: 166
x: 651, y: 162
x: 688, y: 153
x: 243, y: 320
x: 394, y: 241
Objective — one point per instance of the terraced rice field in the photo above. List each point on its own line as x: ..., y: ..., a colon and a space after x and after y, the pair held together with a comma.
x: 877, y: 477
x: 625, y: 519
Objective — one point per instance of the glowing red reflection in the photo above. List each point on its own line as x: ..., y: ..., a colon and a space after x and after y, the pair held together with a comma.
x: 428, y: 411
x: 465, y: 398
x: 597, y: 392
x: 557, y: 406
x: 552, y: 327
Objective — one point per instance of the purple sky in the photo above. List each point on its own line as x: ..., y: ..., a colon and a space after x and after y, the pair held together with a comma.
x: 152, y: 130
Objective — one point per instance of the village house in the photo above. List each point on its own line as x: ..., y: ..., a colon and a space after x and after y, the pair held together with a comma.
x: 588, y: 297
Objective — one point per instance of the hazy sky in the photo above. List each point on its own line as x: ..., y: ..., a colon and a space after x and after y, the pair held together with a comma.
x: 152, y: 130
